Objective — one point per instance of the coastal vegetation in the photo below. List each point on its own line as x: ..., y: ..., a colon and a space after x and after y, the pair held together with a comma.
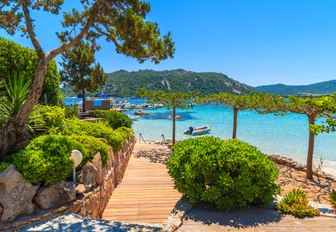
x: 132, y: 35
x: 16, y: 59
x: 240, y: 102
x: 115, y: 119
x: 170, y: 100
x: 80, y: 70
x: 316, y: 89
x: 332, y: 200
x: 46, y: 159
x: 228, y: 174
x: 313, y: 108
x: 296, y: 203
x: 125, y: 84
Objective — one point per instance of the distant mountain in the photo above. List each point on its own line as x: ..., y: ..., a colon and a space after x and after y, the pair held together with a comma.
x: 125, y: 84
x: 321, y: 88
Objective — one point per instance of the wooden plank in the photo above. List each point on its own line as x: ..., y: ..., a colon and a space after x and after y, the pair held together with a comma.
x: 145, y: 195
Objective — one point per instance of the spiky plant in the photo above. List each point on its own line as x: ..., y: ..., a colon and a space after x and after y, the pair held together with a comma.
x: 296, y: 203
x: 14, y: 93
x: 332, y: 199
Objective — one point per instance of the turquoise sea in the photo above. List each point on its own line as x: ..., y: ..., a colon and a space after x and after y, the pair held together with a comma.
x: 283, y: 135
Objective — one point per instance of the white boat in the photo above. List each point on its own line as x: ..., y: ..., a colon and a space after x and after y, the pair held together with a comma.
x: 133, y: 117
x: 201, y: 130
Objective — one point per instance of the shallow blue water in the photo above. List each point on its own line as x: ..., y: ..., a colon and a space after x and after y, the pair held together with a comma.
x: 283, y: 135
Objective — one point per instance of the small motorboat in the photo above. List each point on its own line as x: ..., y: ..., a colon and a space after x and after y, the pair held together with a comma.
x: 133, y: 117
x: 198, y: 130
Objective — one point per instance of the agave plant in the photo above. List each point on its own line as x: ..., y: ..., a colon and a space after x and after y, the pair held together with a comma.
x: 332, y: 199
x: 13, y: 94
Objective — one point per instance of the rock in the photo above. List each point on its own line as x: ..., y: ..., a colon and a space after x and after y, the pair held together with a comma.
x: 140, y: 112
x: 80, y: 189
x: 16, y: 194
x: 98, y: 163
x: 88, y: 175
x: 1, y: 210
x: 55, y: 195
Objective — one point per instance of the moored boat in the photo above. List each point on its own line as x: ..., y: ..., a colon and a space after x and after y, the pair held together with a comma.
x: 133, y: 117
x: 198, y: 130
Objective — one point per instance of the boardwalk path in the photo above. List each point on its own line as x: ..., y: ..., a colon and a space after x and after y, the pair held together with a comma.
x: 146, y: 194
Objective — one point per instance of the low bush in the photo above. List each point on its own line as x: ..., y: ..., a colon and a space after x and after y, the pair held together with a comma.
x: 115, y: 119
x: 46, y: 120
x: 71, y: 111
x: 332, y: 199
x: 228, y: 173
x: 95, y: 129
x: 92, y: 145
x: 127, y: 133
x: 3, y: 166
x: 296, y: 203
x: 46, y: 159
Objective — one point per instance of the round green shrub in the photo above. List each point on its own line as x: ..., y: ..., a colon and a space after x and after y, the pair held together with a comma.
x: 95, y: 129
x: 228, y: 173
x: 46, y: 159
x: 92, y: 145
x: 115, y: 119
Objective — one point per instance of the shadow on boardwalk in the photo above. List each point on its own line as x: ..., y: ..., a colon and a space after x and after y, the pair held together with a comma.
x: 239, y: 218
x: 73, y: 222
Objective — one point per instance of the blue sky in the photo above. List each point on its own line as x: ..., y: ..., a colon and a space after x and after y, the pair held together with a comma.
x: 253, y: 41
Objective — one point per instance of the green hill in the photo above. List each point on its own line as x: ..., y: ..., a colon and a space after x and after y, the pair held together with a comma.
x: 321, y: 88
x: 125, y: 84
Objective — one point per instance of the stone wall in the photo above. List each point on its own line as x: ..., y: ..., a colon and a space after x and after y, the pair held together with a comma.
x: 93, y: 203
x: 95, y: 185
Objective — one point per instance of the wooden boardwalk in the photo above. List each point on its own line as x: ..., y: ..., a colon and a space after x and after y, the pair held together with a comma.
x: 146, y: 194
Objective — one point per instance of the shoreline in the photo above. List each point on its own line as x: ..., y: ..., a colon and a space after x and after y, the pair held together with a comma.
x: 328, y: 169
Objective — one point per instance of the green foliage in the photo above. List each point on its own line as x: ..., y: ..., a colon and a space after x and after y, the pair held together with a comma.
x: 296, y: 203
x: 327, y: 87
x: 21, y: 59
x: 228, y: 173
x: 95, y: 129
x: 114, y: 118
x: 46, y: 120
x: 332, y: 199
x: 71, y: 111
x: 92, y: 145
x: 126, y: 84
x: 47, y: 159
x: 80, y: 69
x: 14, y: 95
x: 3, y: 166
x: 168, y: 99
x: 127, y: 133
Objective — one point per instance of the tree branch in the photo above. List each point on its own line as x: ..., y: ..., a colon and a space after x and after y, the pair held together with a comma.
x: 53, y: 53
x: 30, y: 29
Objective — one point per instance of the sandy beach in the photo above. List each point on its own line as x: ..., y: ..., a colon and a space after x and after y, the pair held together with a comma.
x: 289, y: 178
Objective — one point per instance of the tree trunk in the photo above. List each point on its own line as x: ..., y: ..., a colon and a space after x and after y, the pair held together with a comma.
x: 235, y: 116
x: 14, y: 135
x: 83, y: 94
x: 309, y: 174
x: 174, y: 124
